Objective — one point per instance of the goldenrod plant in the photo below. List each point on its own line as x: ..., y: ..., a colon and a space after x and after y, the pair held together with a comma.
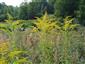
x: 49, y: 42
x: 66, y: 28
x: 46, y: 24
x: 15, y: 57
x: 10, y: 27
x: 9, y: 53
x: 69, y: 24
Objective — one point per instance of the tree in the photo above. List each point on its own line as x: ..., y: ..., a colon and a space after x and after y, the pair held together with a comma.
x: 51, y: 5
x: 23, y: 13
x: 66, y: 7
x: 36, y: 8
x: 14, y: 11
x: 52, y: 2
x: 39, y: 0
x: 3, y: 11
x: 29, y: 11
x: 82, y: 12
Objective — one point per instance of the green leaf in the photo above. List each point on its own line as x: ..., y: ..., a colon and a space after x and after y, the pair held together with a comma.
x: 24, y: 60
x: 15, y: 53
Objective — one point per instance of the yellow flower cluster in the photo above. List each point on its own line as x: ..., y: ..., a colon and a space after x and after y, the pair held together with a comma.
x: 3, y: 47
x: 44, y: 24
x: 34, y: 29
x: 68, y: 24
x: 3, y: 61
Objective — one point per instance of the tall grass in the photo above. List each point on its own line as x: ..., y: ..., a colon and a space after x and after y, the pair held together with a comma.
x: 48, y: 42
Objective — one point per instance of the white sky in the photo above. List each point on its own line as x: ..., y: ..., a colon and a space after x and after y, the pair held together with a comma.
x: 13, y: 2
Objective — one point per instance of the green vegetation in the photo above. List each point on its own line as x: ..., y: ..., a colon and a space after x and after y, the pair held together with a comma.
x: 28, y: 36
x: 36, y: 8
x: 45, y: 41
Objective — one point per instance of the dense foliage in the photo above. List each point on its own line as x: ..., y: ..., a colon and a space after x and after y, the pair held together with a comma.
x: 45, y: 41
x: 36, y: 8
x: 28, y: 36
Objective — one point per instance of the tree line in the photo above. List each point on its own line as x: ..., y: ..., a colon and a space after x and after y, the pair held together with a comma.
x: 36, y: 8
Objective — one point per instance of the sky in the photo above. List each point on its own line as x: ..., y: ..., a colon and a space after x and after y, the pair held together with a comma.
x: 13, y: 2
